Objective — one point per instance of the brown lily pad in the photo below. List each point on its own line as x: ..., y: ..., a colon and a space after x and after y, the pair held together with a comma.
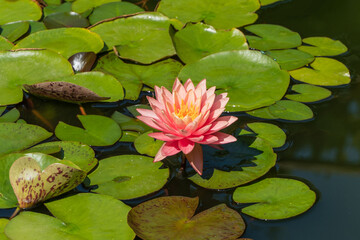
x: 31, y: 185
x: 173, y: 218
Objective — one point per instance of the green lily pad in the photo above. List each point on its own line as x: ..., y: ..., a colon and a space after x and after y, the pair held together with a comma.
x: 270, y: 37
x: 81, y: 6
x: 235, y: 13
x: 18, y: 136
x: 36, y: 27
x: 290, y: 59
x: 82, y: 216
x: 291, y: 110
x: 268, y: 2
x: 323, y: 72
x: 308, y: 93
x: 143, y: 38
x: 10, y: 116
x: 271, y: 133
x: 240, y: 73
x: 13, y: 31
x: 73, y: 40
x: 28, y: 67
x: 80, y: 154
x: 99, y: 131
x: 3, y: 223
x: 134, y: 112
x: 50, y: 8
x: 5, y: 44
x: 275, y: 198
x: 113, y: 9
x: 263, y: 113
x: 196, y: 41
x: 222, y: 179
x: 130, y: 123
x: 128, y: 176
x: 32, y: 185
x: 323, y: 46
x: 65, y: 19
x: 132, y: 76
x: 147, y: 145
x: 173, y: 218
x: 129, y: 136
x: 19, y: 10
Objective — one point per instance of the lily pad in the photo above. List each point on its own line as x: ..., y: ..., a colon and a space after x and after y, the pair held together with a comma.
x: 19, y: 10
x: 130, y: 123
x: 173, y: 218
x: 28, y: 67
x: 134, y: 112
x: 13, y: 31
x: 143, y: 38
x: 270, y: 37
x: 323, y: 46
x: 81, y: 6
x: 9, y: 116
x: 271, y: 133
x: 196, y: 41
x: 52, y: 8
x: 36, y: 27
x: 233, y: 14
x: 290, y: 59
x: 82, y: 216
x: 268, y: 2
x: 291, y: 110
x: 147, y: 145
x: 72, y: 40
x: 275, y: 198
x: 113, y: 9
x: 323, y: 72
x: 3, y: 223
x: 32, y: 185
x: 129, y: 136
x: 65, y: 19
x: 240, y: 73
x: 132, y: 76
x: 99, y: 131
x: 308, y: 93
x: 128, y: 176
x: 262, y: 113
x: 5, y: 44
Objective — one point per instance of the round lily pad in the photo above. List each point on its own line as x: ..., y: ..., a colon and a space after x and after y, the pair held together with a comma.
x: 290, y: 59
x: 19, y: 10
x: 270, y: 37
x: 323, y: 46
x: 129, y: 136
x: 99, y: 131
x: 271, y: 133
x: 275, y: 198
x: 291, y: 110
x: 240, y: 73
x: 196, y: 41
x: 323, y: 72
x: 50, y: 8
x: 147, y: 145
x: 65, y: 19
x: 82, y: 216
x: 28, y: 67
x: 13, y: 31
x: 173, y: 218
x: 10, y: 116
x: 5, y: 44
x: 235, y: 13
x: 81, y: 6
x: 130, y: 123
x: 263, y: 113
x: 128, y: 176
x: 72, y: 40
x: 308, y: 93
x: 36, y: 27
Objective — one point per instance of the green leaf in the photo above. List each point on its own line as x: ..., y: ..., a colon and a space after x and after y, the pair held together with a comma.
x: 81, y: 6
x: 323, y: 46
x: 113, y: 9
x: 290, y: 110
x: 235, y: 13
x: 50, y: 9
x: 271, y: 133
x: 323, y: 72
x: 28, y: 67
x: 290, y: 59
x: 134, y: 112
x: 263, y: 113
x: 82, y: 216
x: 99, y: 131
x: 143, y: 38
x: 19, y: 10
x: 147, y: 145
x: 73, y: 40
x: 308, y: 93
x: 275, y: 198
x: 128, y: 176
x: 129, y: 136
x: 132, y: 76
x: 173, y: 218
x: 5, y: 44
x: 271, y: 37
x: 240, y: 73
x: 196, y: 41
x: 36, y: 27
x: 3, y: 223
x: 65, y: 19
x: 13, y: 31
x: 10, y: 116
x: 268, y: 2
x: 130, y: 123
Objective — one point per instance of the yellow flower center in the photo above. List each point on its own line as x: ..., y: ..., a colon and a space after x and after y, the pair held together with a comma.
x: 185, y: 110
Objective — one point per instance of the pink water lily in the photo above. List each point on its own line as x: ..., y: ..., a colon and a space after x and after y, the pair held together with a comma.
x: 186, y: 118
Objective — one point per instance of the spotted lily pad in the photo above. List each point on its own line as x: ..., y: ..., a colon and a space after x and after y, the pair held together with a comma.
x: 73, y: 40
x: 5, y: 44
x: 81, y: 6
x: 290, y: 59
x: 308, y: 93
x: 130, y: 123
x: 82, y: 216
x: 173, y: 218
x: 128, y: 176
x: 270, y: 37
x: 275, y: 198
x: 13, y: 31
x: 323, y: 46
x: 143, y: 38
x: 323, y: 72
x: 235, y: 13
x: 19, y: 10
x: 147, y: 145
x: 99, y: 131
x: 240, y: 73
x: 32, y: 185
x: 9, y: 116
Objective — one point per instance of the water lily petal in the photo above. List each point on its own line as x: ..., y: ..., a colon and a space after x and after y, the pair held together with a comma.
x: 209, y: 139
x: 189, y: 85
x: 221, y: 123
x: 170, y: 148
x: 224, y: 138
x: 150, y: 122
x: 164, y: 136
x: 147, y: 113
x: 195, y: 158
x: 186, y: 146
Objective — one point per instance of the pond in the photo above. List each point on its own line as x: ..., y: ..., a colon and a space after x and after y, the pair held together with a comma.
x: 321, y: 154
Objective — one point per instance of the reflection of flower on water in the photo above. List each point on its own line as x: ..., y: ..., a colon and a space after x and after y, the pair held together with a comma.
x: 187, y: 117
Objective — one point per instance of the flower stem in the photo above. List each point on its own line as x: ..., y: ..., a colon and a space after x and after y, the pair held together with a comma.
x: 17, y: 210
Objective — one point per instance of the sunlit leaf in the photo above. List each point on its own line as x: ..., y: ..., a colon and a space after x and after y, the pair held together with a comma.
x: 5, y: 44
x: 13, y: 31
x: 9, y: 116
x: 50, y: 9
x: 290, y: 59
x: 323, y: 46
x: 308, y: 93
x: 81, y: 6
x: 3, y: 223
x: 147, y: 145
x: 19, y: 10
